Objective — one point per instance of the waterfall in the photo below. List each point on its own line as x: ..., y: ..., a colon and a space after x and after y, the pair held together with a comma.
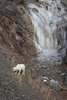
x: 45, y: 36
x: 44, y: 25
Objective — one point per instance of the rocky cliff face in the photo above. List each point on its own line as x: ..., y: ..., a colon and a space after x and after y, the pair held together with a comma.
x: 16, y: 29
x: 17, y: 46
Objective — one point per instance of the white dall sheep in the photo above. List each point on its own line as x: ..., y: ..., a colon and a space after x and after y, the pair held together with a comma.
x: 20, y: 68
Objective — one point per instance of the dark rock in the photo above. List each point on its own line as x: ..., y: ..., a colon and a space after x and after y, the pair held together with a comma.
x: 65, y: 77
x: 65, y: 57
x: 16, y: 30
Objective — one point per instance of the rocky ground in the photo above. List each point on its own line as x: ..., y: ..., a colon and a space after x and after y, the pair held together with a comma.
x: 31, y: 86
x: 14, y: 87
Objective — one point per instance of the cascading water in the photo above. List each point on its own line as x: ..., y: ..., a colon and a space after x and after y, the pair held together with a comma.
x: 44, y: 24
x: 45, y: 37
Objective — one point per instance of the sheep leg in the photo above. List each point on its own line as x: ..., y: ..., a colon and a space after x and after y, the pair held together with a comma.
x: 19, y: 72
x: 23, y: 72
x: 15, y: 72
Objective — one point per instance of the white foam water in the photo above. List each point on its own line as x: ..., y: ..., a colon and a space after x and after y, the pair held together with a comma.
x: 45, y: 38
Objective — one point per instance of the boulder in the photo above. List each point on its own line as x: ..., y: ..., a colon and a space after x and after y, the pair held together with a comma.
x: 55, y: 85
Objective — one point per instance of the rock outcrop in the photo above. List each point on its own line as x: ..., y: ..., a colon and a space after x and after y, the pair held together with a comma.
x: 16, y: 29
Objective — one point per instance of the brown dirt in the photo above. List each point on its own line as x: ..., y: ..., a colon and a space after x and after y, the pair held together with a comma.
x: 30, y: 86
